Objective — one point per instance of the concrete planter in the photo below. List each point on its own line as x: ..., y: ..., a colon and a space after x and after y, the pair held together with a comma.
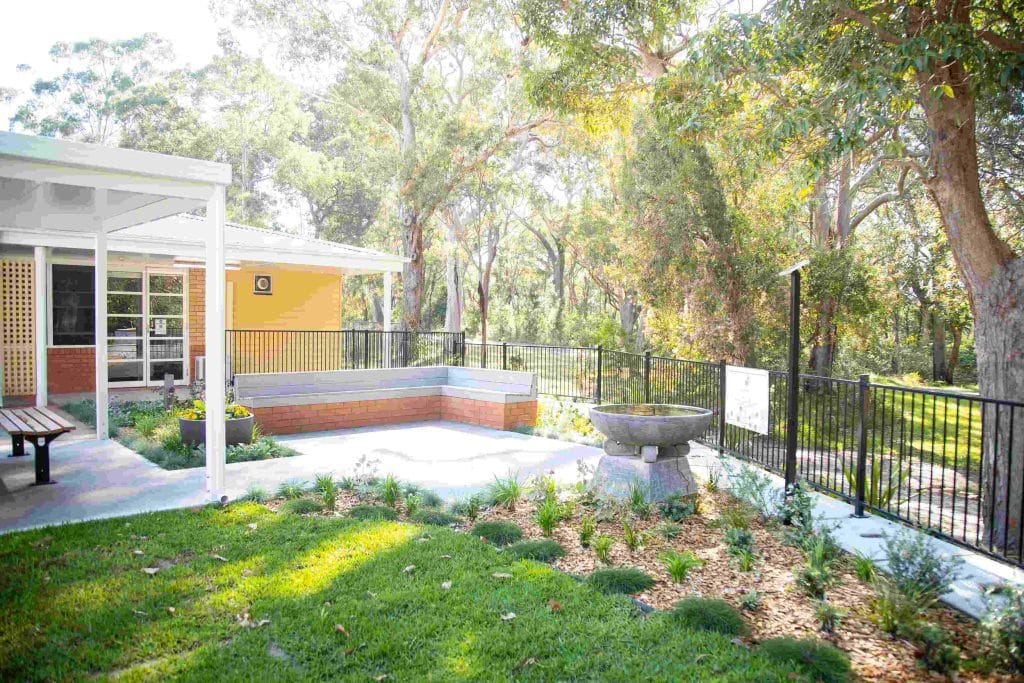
x: 236, y: 430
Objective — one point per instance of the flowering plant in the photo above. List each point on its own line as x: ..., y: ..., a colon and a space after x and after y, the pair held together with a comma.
x: 196, y: 410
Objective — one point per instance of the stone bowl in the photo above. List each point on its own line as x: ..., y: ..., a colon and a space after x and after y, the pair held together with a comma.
x: 650, y: 424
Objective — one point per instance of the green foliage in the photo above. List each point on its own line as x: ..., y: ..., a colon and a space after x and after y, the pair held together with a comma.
x: 677, y: 508
x: 434, y: 516
x: 293, y: 488
x: 935, y: 651
x: 264, y: 448
x: 735, y: 517
x: 627, y: 580
x: 638, y: 500
x: 373, y: 513
x: 750, y: 601
x: 756, y: 491
x: 603, y: 548
x: 390, y: 491
x: 630, y: 536
x: 468, y: 508
x: 917, y: 568
x: 547, y: 516
x: 669, y: 530
x: 327, y: 487
x: 864, y: 567
x: 588, y: 527
x: 497, y: 532
x: 816, y: 660
x: 679, y: 564
x: 505, y: 491
x: 892, y: 609
x: 879, y: 488
x: 1003, y: 625
x: 255, y: 493
x: 302, y: 506
x: 739, y: 540
x: 745, y: 559
x: 413, y: 502
x: 828, y: 616
x: 541, y: 550
x: 709, y: 614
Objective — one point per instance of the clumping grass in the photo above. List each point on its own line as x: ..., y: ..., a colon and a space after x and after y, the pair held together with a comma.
x: 373, y: 512
x: 626, y: 580
x: 541, y: 550
x: 261, y: 596
x: 468, y: 508
x: 864, y: 567
x: 327, y: 487
x: 390, y: 491
x: 256, y: 494
x: 816, y: 660
x: 679, y: 564
x: 547, y: 516
x: 709, y: 614
x: 630, y: 536
x: 750, y: 601
x: 497, y: 532
x: 302, y: 506
x: 505, y: 491
x: 413, y: 503
x: 669, y: 530
x: 434, y: 517
x: 588, y: 527
x: 603, y: 548
x: 293, y: 488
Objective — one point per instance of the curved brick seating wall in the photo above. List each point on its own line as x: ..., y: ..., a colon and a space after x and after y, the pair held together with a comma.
x: 288, y: 403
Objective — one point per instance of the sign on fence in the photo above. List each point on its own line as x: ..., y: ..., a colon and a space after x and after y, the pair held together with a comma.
x: 746, y: 398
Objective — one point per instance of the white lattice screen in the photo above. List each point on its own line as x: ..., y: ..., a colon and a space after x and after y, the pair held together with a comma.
x: 17, y: 322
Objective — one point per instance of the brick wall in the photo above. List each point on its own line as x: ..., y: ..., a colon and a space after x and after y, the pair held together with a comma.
x: 322, y: 416
x: 70, y: 369
x: 196, y: 317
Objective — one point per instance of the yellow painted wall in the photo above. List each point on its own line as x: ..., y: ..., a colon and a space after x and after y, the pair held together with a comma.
x: 300, y: 300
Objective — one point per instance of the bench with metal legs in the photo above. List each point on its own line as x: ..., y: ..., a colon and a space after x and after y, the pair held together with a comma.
x: 39, y: 426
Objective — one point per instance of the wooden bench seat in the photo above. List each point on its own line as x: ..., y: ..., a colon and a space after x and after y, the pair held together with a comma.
x: 40, y: 426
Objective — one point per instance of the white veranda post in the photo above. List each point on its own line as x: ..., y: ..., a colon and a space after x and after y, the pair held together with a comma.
x: 100, y: 304
x: 387, y: 319
x: 40, y: 331
x: 215, y: 363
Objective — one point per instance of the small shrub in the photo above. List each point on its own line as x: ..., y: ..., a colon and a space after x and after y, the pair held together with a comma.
x: 468, y: 508
x: 541, y: 550
x: 630, y: 536
x: 735, y: 517
x: 828, y: 616
x: 434, y: 517
x: 678, y: 565
x: 293, y: 488
x: 750, y: 601
x: 816, y: 660
x: 677, y: 508
x: 431, y: 499
x: 1003, y: 625
x: 864, y: 567
x: 547, y: 516
x: 145, y: 425
x: 892, y: 610
x: 347, y: 483
x: 263, y: 448
x: 709, y: 614
x: 627, y: 580
x: 935, y: 651
x: 170, y: 440
x: 603, y: 548
x: 739, y: 540
x: 545, y: 488
x: 745, y: 560
x: 413, y: 502
x: 255, y: 493
x: 669, y: 530
x: 814, y: 580
x: 638, y: 500
x: 302, y: 506
x: 588, y: 527
x: 758, y: 492
x: 373, y: 513
x: 497, y: 532
x: 714, y: 477
x: 328, y: 489
x: 390, y: 491
x: 506, y: 491
x: 917, y: 568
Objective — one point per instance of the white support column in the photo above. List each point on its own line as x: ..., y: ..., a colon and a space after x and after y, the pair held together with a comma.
x: 387, y: 319
x: 102, y: 395
x: 216, y: 451
x: 41, y: 326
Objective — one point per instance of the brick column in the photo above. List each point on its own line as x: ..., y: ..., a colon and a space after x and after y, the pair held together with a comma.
x: 196, y: 317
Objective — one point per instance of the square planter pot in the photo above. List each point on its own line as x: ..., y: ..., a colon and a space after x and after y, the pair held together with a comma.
x: 236, y: 430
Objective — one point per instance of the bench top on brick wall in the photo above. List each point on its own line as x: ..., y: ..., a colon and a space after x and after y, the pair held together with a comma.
x: 266, y: 390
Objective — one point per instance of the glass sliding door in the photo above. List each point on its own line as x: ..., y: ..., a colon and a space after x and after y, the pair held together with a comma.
x: 145, y: 327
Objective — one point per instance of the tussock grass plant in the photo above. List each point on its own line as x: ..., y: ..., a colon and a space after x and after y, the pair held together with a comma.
x: 679, y: 564
x: 628, y: 580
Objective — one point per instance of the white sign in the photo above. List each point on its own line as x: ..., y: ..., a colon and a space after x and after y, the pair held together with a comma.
x: 746, y: 398
x: 160, y: 327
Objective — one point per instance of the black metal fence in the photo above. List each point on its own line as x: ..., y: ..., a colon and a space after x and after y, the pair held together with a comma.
x: 949, y: 463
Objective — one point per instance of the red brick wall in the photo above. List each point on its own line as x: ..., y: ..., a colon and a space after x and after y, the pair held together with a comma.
x: 196, y: 317
x: 322, y: 416
x: 70, y: 369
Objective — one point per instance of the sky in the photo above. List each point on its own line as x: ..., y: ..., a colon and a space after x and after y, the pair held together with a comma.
x: 33, y: 26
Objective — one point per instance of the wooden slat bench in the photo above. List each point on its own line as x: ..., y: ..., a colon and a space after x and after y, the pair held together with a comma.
x: 40, y: 426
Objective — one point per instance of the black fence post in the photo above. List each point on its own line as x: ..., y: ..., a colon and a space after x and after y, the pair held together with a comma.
x: 862, y: 444
x: 462, y: 347
x: 597, y: 385
x: 721, y: 407
x: 647, y: 376
x: 366, y: 348
x: 504, y: 355
x: 793, y: 386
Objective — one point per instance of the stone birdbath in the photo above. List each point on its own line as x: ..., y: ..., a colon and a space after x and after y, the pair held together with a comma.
x: 647, y: 444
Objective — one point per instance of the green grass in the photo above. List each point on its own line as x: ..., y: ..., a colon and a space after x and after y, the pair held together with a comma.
x: 78, y: 605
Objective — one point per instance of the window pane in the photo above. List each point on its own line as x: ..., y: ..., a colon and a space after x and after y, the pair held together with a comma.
x: 125, y: 372
x: 124, y: 304
x: 157, y: 370
x: 124, y: 349
x: 166, y: 348
x: 165, y: 284
x: 73, y: 311
x: 165, y: 327
x: 122, y: 326
x: 165, y: 305
x: 118, y: 281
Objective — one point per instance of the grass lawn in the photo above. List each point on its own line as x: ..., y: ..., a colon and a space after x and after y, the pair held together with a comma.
x: 342, y: 600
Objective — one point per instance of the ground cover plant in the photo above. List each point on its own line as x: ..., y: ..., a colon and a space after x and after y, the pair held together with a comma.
x: 150, y: 430
x: 244, y: 593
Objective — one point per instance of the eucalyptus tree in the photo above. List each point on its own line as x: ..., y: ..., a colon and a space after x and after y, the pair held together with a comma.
x: 433, y: 83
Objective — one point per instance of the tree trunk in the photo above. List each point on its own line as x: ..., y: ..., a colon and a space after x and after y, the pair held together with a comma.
x: 938, y: 346
x: 894, y: 363
x: 412, y: 272
x: 453, y: 282
x: 954, y: 353
x: 558, y: 280
x: 823, y: 339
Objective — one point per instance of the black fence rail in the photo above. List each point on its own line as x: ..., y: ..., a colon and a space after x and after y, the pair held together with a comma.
x: 949, y: 463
